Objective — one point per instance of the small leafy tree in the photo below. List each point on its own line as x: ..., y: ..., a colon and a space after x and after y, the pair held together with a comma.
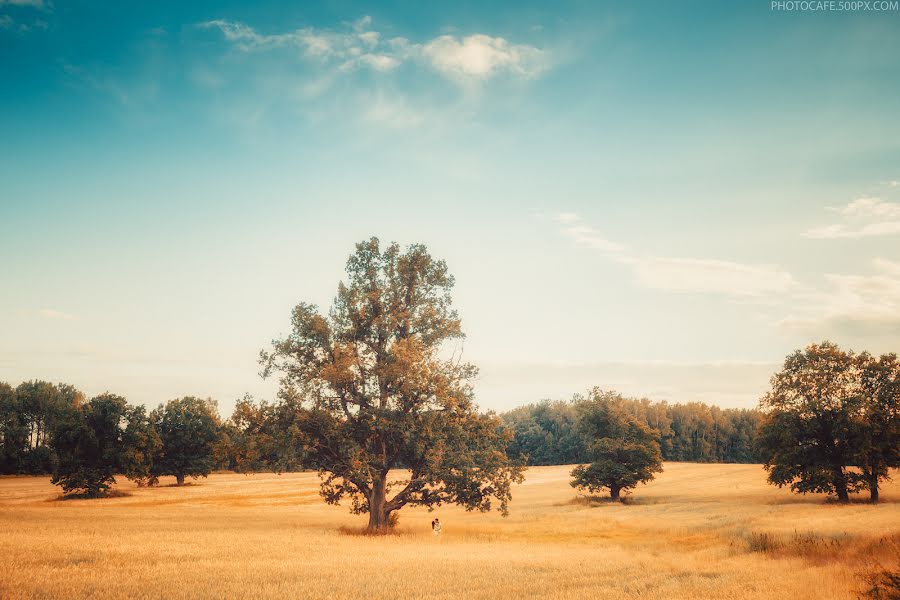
x: 814, y: 416
x: 374, y: 386
x: 188, y: 429
x: 624, y: 451
x: 88, y: 444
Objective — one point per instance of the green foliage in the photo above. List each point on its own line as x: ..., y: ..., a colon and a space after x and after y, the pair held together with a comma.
x: 623, y: 451
x: 262, y: 437
x: 141, y: 444
x: 189, y: 430
x: 13, y: 431
x: 878, y: 429
x: 827, y: 412
x: 547, y: 433
x: 88, y: 443
x: 369, y: 388
x: 28, y: 415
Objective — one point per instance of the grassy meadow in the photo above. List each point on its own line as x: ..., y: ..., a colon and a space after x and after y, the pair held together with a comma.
x: 698, y: 531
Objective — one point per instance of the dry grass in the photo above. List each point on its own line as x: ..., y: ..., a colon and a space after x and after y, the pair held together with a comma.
x: 699, y: 531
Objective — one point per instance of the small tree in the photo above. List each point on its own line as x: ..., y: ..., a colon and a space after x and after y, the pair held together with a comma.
x: 624, y: 452
x: 188, y: 429
x: 374, y: 386
x: 88, y: 444
x: 811, y: 432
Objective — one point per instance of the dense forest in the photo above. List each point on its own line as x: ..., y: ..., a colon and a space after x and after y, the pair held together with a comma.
x: 258, y: 435
x: 548, y: 432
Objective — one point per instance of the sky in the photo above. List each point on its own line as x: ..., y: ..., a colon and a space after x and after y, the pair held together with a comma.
x: 660, y: 198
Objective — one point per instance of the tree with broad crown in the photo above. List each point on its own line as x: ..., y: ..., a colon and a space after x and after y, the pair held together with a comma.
x: 624, y: 452
x: 88, y: 443
x: 189, y: 429
x: 375, y: 387
x: 811, y: 432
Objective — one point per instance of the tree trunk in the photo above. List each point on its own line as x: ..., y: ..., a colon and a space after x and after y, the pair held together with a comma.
x: 840, y: 485
x: 179, y: 479
x: 614, y: 492
x: 378, y: 515
x: 873, y: 487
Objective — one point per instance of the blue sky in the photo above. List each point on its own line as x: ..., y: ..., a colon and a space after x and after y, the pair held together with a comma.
x: 663, y: 198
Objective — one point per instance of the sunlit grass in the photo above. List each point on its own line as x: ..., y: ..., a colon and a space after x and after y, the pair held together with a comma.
x: 697, y: 531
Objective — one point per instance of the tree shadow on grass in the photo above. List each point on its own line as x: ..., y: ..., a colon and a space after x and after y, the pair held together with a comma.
x: 607, y: 501
x: 87, y: 496
x: 366, y: 532
x: 823, y: 500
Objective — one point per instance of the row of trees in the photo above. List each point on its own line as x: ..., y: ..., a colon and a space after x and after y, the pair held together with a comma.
x: 548, y: 433
x: 49, y: 428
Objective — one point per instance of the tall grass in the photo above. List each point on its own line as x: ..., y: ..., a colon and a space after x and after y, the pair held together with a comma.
x: 698, y: 531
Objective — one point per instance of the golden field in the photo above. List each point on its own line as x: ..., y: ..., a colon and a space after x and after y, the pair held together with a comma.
x: 698, y: 531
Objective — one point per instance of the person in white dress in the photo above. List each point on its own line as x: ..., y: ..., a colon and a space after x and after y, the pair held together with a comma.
x: 436, y: 527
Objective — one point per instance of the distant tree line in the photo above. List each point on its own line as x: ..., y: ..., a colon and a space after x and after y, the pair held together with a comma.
x: 830, y: 424
x: 50, y: 428
x: 548, y: 432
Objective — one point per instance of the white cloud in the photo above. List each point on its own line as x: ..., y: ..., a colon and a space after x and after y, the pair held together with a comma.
x: 864, y: 217
x: 871, y: 207
x: 481, y: 56
x: 39, y: 4
x: 472, y: 58
x: 586, y: 235
x: 49, y: 313
x: 710, y: 276
x: 690, y: 275
x: 853, y: 303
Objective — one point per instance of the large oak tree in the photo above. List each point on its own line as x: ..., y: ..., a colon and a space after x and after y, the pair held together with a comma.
x: 377, y: 384
x: 814, y: 412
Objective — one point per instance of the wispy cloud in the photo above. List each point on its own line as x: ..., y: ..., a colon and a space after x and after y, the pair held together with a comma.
x: 869, y: 302
x: 864, y: 217
x: 472, y: 58
x: 39, y: 4
x: 689, y: 275
x: 50, y: 313
x: 392, y: 112
x: 481, y: 56
x: 585, y: 235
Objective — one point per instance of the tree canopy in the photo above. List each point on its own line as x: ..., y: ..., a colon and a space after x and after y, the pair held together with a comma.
x: 377, y: 384
x: 831, y: 423
x: 89, y: 445
x: 189, y: 430
x: 623, y: 451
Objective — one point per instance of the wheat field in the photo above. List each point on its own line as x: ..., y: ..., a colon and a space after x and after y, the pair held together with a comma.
x: 698, y: 531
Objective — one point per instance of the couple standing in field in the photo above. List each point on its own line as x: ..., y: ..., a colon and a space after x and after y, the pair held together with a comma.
x: 436, y: 527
